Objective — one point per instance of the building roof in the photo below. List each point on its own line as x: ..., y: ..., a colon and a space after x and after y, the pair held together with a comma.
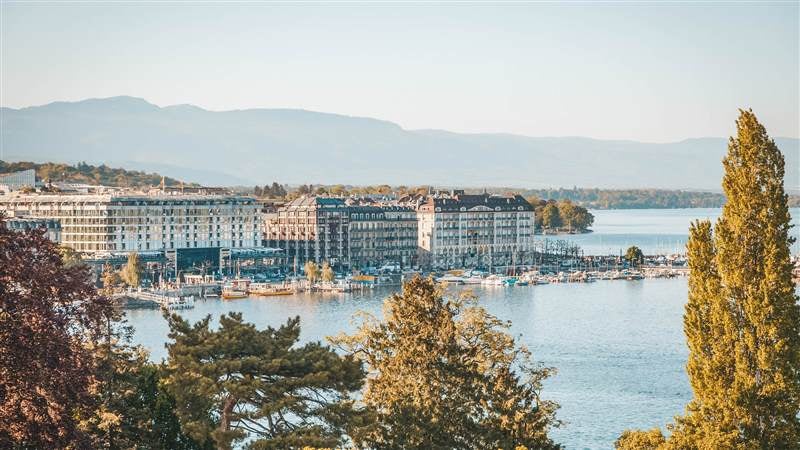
x: 475, y: 202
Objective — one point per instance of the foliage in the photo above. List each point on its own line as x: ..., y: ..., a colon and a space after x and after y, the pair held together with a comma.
x: 131, y: 410
x: 240, y: 382
x: 327, y: 273
x: 551, y: 217
x: 69, y: 256
x: 276, y: 191
x: 111, y: 279
x: 312, y: 271
x: 594, y: 198
x: 447, y: 375
x: 634, y: 255
x: 131, y: 273
x: 640, y: 440
x: 742, y: 320
x: 49, y: 313
x: 88, y: 174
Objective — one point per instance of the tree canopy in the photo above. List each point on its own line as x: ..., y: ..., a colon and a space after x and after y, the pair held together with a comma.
x: 742, y: 320
x: 446, y: 375
x: 239, y: 382
x: 49, y: 315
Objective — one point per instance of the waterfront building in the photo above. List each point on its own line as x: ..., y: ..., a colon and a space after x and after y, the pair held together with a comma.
x: 52, y: 227
x: 182, y: 228
x: 348, y: 234
x: 17, y: 180
x: 493, y: 232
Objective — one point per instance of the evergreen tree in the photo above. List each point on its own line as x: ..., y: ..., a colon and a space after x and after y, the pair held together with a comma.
x: 447, y: 376
x: 240, y: 382
x: 742, y: 319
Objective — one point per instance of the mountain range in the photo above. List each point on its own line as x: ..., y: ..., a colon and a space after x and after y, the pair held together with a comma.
x: 256, y: 146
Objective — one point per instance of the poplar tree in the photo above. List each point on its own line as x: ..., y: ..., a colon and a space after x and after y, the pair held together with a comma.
x: 742, y: 319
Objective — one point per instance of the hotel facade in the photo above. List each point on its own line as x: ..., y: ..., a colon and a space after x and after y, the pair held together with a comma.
x: 345, y: 233
x: 492, y: 232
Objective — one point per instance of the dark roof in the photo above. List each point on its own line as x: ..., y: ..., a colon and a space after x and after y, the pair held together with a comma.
x: 466, y: 202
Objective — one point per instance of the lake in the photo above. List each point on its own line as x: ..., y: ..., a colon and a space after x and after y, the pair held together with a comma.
x: 655, y: 231
x: 618, y: 345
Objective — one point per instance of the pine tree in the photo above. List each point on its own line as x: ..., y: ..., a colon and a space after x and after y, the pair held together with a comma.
x: 742, y: 320
x: 446, y: 375
x: 239, y: 382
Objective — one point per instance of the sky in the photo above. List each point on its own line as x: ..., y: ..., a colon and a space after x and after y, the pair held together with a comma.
x: 654, y: 71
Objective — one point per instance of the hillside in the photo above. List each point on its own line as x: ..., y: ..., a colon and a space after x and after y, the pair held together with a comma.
x: 88, y: 174
x: 245, y: 147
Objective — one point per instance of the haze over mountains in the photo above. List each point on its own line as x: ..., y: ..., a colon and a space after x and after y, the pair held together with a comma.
x: 297, y: 146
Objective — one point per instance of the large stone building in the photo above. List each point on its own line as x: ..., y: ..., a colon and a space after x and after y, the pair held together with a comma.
x: 181, y: 227
x: 493, y: 232
x: 347, y: 234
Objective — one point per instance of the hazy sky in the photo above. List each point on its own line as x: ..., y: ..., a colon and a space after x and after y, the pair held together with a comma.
x: 649, y: 71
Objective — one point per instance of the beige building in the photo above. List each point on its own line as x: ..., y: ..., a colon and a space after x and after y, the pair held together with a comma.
x: 137, y: 222
x: 487, y: 231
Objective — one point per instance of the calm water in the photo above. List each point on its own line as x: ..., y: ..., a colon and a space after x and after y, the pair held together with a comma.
x: 618, y: 345
x: 655, y: 231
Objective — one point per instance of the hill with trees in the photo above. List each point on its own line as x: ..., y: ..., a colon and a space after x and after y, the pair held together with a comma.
x: 89, y: 174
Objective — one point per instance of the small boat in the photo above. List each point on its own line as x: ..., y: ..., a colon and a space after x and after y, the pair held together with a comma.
x: 450, y: 279
x: 265, y: 289
x: 509, y: 281
x: 229, y: 293
x: 472, y: 280
x: 522, y: 283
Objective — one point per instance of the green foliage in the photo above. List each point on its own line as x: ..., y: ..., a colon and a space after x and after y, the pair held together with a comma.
x: 131, y: 273
x: 88, y: 174
x: 594, y: 198
x: 327, y: 273
x: 634, y: 255
x: 275, y: 191
x: 240, y: 382
x: 551, y: 217
x: 447, y: 375
x: 742, y: 320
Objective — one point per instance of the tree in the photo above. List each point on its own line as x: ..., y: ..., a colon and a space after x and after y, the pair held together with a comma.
x: 49, y: 313
x: 131, y: 409
x: 239, y: 382
x: 110, y: 279
x: 634, y: 256
x: 640, y: 440
x: 132, y: 271
x: 312, y: 271
x: 70, y: 257
x: 551, y: 218
x: 327, y: 273
x: 567, y: 211
x: 742, y: 320
x: 447, y: 375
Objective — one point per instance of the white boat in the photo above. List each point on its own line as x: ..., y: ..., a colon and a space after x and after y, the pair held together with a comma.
x: 450, y: 279
x: 472, y: 280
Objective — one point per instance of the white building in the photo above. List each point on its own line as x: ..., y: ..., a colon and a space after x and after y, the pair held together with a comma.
x: 136, y: 222
x: 483, y: 230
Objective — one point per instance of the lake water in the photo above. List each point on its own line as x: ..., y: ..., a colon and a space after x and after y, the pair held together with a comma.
x: 618, y: 345
x: 655, y: 231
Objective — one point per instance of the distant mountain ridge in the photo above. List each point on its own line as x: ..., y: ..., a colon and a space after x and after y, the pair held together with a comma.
x: 295, y: 146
